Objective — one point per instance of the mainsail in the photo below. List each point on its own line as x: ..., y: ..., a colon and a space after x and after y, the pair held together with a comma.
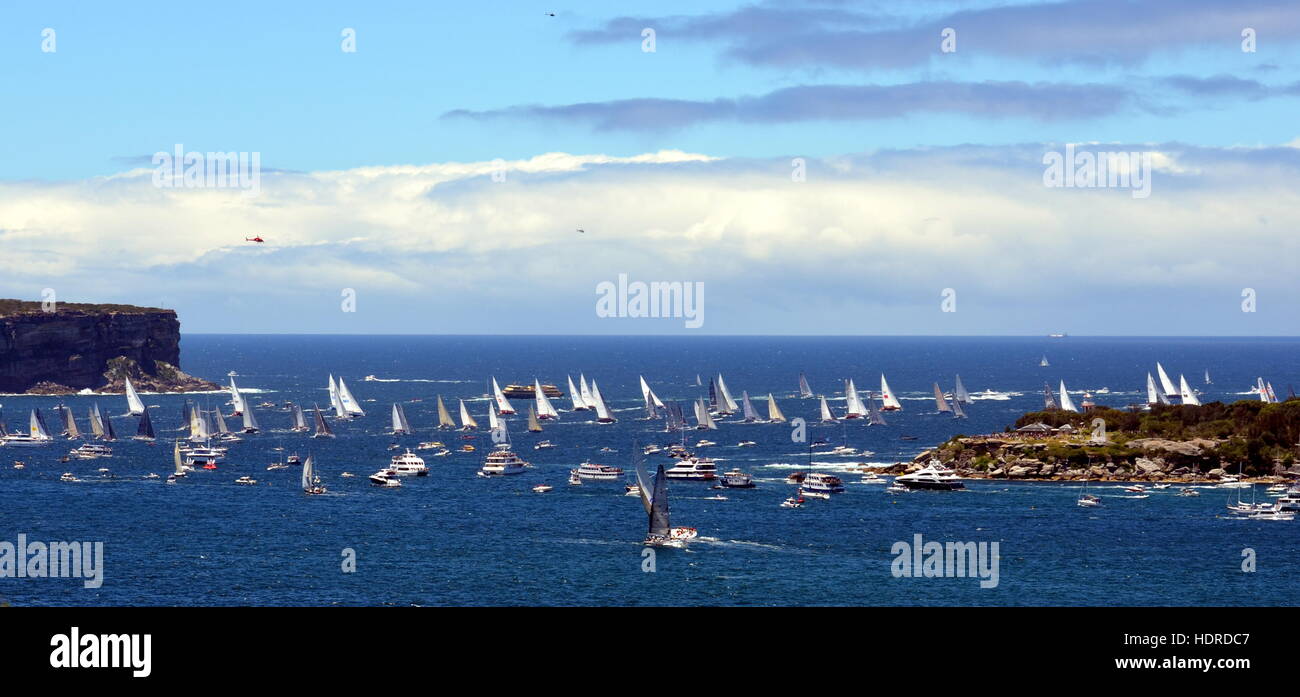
x: 322, y: 429
x: 649, y: 394
x: 1153, y: 395
x: 221, y: 422
x: 145, y: 430
x: 703, y: 420
x: 575, y: 396
x: 827, y: 416
x: 602, y: 410
x: 176, y: 459
x: 299, y: 419
x: 401, y: 426
x: 957, y: 411
x: 750, y: 414
x: 655, y: 503
x: 533, y: 424
x: 467, y: 422
x: 853, y: 402
x: 1207, y: 377
x: 444, y: 417
x: 348, y: 401
x: 96, y: 422
x: 309, y: 470
x: 587, y: 399
x: 1185, y: 391
x: 69, y: 423
x: 134, y: 406
x: 503, y: 404
x: 1066, y: 403
x: 1165, y: 383
x: 805, y: 392
x: 494, y: 422
x: 544, y: 408
x: 773, y: 411
x: 939, y: 402
x: 959, y: 392
x: 109, y: 435
x: 236, y: 398
x: 1049, y: 401
x: 888, y: 401
x: 724, y: 398
x: 250, y: 420
x: 36, y: 426
x: 336, y: 404
x: 874, y: 417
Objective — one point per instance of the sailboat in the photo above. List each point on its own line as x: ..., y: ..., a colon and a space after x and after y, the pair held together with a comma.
x: 1049, y: 401
x: 888, y: 402
x: 959, y: 392
x: 649, y: 395
x: 726, y: 405
x: 1186, y: 393
x: 1066, y: 403
x: 533, y: 424
x: 178, y: 467
x: 1043, y: 363
x: 805, y: 392
x: 1165, y: 383
x: 311, y: 483
x: 874, y: 417
x: 853, y: 403
x: 340, y: 411
x: 774, y: 414
x: 939, y: 402
x: 96, y: 422
x: 37, y: 433
x: 544, y: 408
x: 236, y: 399
x: 467, y: 422
x: 703, y: 420
x: 748, y: 409
x: 444, y: 417
x: 250, y: 420
x: 134, y: 406
x: 145, y: 430
x: 494, y: 422
x: 587, y: 399
x: 323, y: 429
x: 401, y: 426
x: 109, y: 434
x: 69, y: 423
x: 299, y: 420
x: 575, y: 396
x: 348, y: 401
x: 660, y: 533
x: 1153, y: 394
x: 827, y: 416
x: 1207, y: 377
x: 958, y: 411
x: 602, y: 410
x: 503, y: 404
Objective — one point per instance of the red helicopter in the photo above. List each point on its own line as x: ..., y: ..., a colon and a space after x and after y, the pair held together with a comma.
x: 254, y: 239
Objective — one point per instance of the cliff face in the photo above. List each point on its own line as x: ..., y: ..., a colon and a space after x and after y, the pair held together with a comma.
x: 73, y: 347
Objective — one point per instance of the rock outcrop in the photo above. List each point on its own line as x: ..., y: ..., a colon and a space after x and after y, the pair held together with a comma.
x: 81, y: 346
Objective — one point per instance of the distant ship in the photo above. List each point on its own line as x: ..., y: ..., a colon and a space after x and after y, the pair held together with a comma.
x: 526, y: 391
x: 1060, y: 335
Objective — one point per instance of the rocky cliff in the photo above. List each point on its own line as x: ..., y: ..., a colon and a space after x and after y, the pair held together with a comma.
x: 81, y: 346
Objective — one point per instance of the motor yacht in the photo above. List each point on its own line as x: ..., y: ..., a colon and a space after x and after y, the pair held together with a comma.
x: 1089, y: 501
x: 408, y: 464
x: 544, y: 445
x: 704, y: 443
x: 935, y: 476
x: 746, y: 444
x: 502, y: 462
x: 1187, y: 491
x: 542, y: 488
x: 697, y: 468
x: 599, y: 473
x: 385, y: 478
x: 795, y: 501
x: 822, y: 485
x: 873, y: 478
x: 245, y: 480
x: 69, y: 477
x: 91, y: 451
x: 735, y: 479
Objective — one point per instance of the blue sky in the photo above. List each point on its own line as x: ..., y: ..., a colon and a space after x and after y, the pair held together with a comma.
x: 921, y: 162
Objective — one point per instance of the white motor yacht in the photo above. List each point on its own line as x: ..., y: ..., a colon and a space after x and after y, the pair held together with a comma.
x: 735, y: 479
x: 599, y: 473
x: 698, y: 468
x: 935, y: 476
x: 385, y: 478
x: 502, y: 462
x: 408, y: 464
x: 822, y: 485
x: 544, y: 445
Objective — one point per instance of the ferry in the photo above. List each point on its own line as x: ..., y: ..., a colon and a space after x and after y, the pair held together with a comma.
x: 735, y: 479
x: 526, y: 391
x: 698, y: 468
x: 91, y: 451
x: 502, y: 462
x: 408, y: 463
x: 599, y: 473
x: 817, y: 484
x: 934, y: 476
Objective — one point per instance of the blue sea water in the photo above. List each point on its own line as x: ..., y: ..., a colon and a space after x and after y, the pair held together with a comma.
x: 456, y: 539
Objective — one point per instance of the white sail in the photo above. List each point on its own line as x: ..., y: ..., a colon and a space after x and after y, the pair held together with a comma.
x: 853, y: 402
x: 467, y: 422
x: 222, y: 428
x: 236, y: 398
x: 747, y: 408
x: 400, y: 425
x: 444, y: 418
x: 939, y: 402
x: 336, y: 404
x: 494, y: 422
x: 724, y: 396
x: 1186, y: 393
x: 198, y: 425
x: 1263, y: 391
x: 827, y: 416
x: 1043, y: 363
x: 703, y: 420
x: 96, y: 424
x: 1066, y: 404
x: 250, y: 420
x: 1165, y: 382
x: 576, y: 397
x: 36, y: 427
x: 959, y: 392
x: 347, y: 400
x: 134, y: 406
x: 503, y: 404
x: 1272, y: 396
x: 1153, y: 396
x: 176, y: 459
x: 587, y: 399
x: 887, y: 399
x: 308, y: 474
x: 544, y: 408
x: 602, y: 409
x: 649, y: 394
x: 773, y: 411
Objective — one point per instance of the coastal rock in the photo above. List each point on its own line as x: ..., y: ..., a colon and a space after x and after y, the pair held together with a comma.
x: 1146, y: 466
x: 71, y: 348
x: 1189, y: 448
x: 1216, y: 472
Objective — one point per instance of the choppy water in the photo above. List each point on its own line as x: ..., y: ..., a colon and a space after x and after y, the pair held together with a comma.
x: 453, y: 538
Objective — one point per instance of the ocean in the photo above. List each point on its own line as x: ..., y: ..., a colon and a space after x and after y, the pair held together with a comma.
x: 456, y: 539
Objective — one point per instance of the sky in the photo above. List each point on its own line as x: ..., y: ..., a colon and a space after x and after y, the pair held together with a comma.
x: 820, y: 167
